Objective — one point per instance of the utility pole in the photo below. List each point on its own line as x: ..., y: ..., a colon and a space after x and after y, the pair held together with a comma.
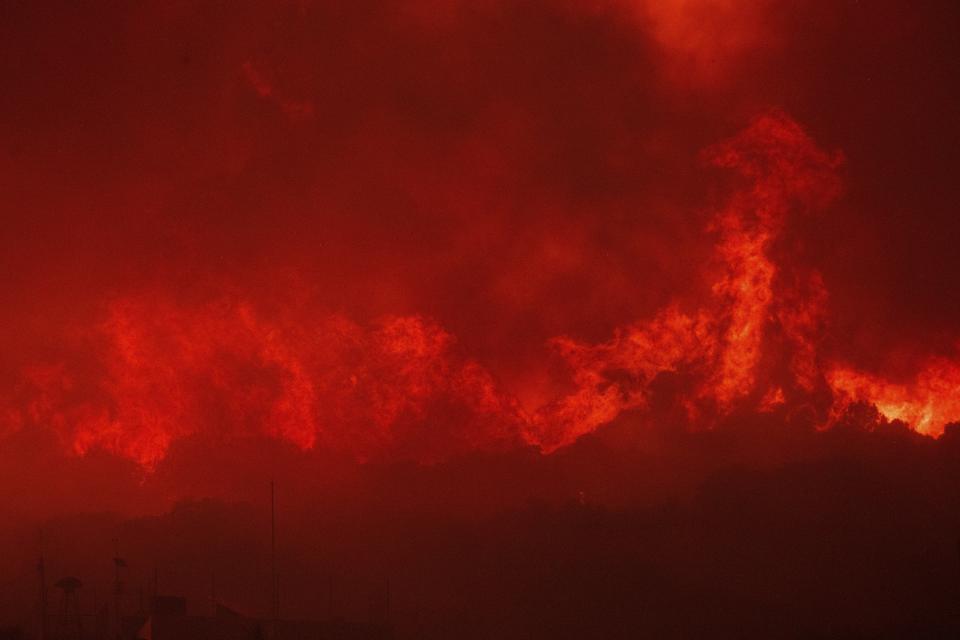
x: 42, y: 574
x: 330, y: 615
x: 275, y: 584
x: 118, y: 562
x: 213, y: 594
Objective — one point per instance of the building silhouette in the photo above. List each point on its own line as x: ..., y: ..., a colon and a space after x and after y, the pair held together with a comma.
x: 169, y: 621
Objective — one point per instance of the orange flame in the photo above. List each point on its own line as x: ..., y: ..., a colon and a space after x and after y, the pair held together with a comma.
x: 927, y: 403
x: 723, y: 342
x: 170, y: 371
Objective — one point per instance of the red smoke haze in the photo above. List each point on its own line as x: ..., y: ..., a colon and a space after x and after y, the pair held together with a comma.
x: 564, y: 314
x: 412, y: 231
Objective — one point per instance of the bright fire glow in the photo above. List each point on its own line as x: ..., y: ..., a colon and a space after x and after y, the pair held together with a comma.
x: 926, y: 403
x: 168, y: 370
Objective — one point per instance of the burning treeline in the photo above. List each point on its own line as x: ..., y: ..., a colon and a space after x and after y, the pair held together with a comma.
x: 157, y: 369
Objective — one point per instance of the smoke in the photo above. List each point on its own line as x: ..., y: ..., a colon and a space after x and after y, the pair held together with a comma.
x: 169, y: 369
x: 413, y: 231
x: 574, y: 318
x: 704, y: 42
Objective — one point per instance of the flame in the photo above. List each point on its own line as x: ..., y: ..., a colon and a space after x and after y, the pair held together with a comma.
x: 802, y: 319
x: 169, y: 370
x: 723, y: 342
x: 637, y: 353
x: 772, y: 399
x: 172, y: 371
x: 927, y: 403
